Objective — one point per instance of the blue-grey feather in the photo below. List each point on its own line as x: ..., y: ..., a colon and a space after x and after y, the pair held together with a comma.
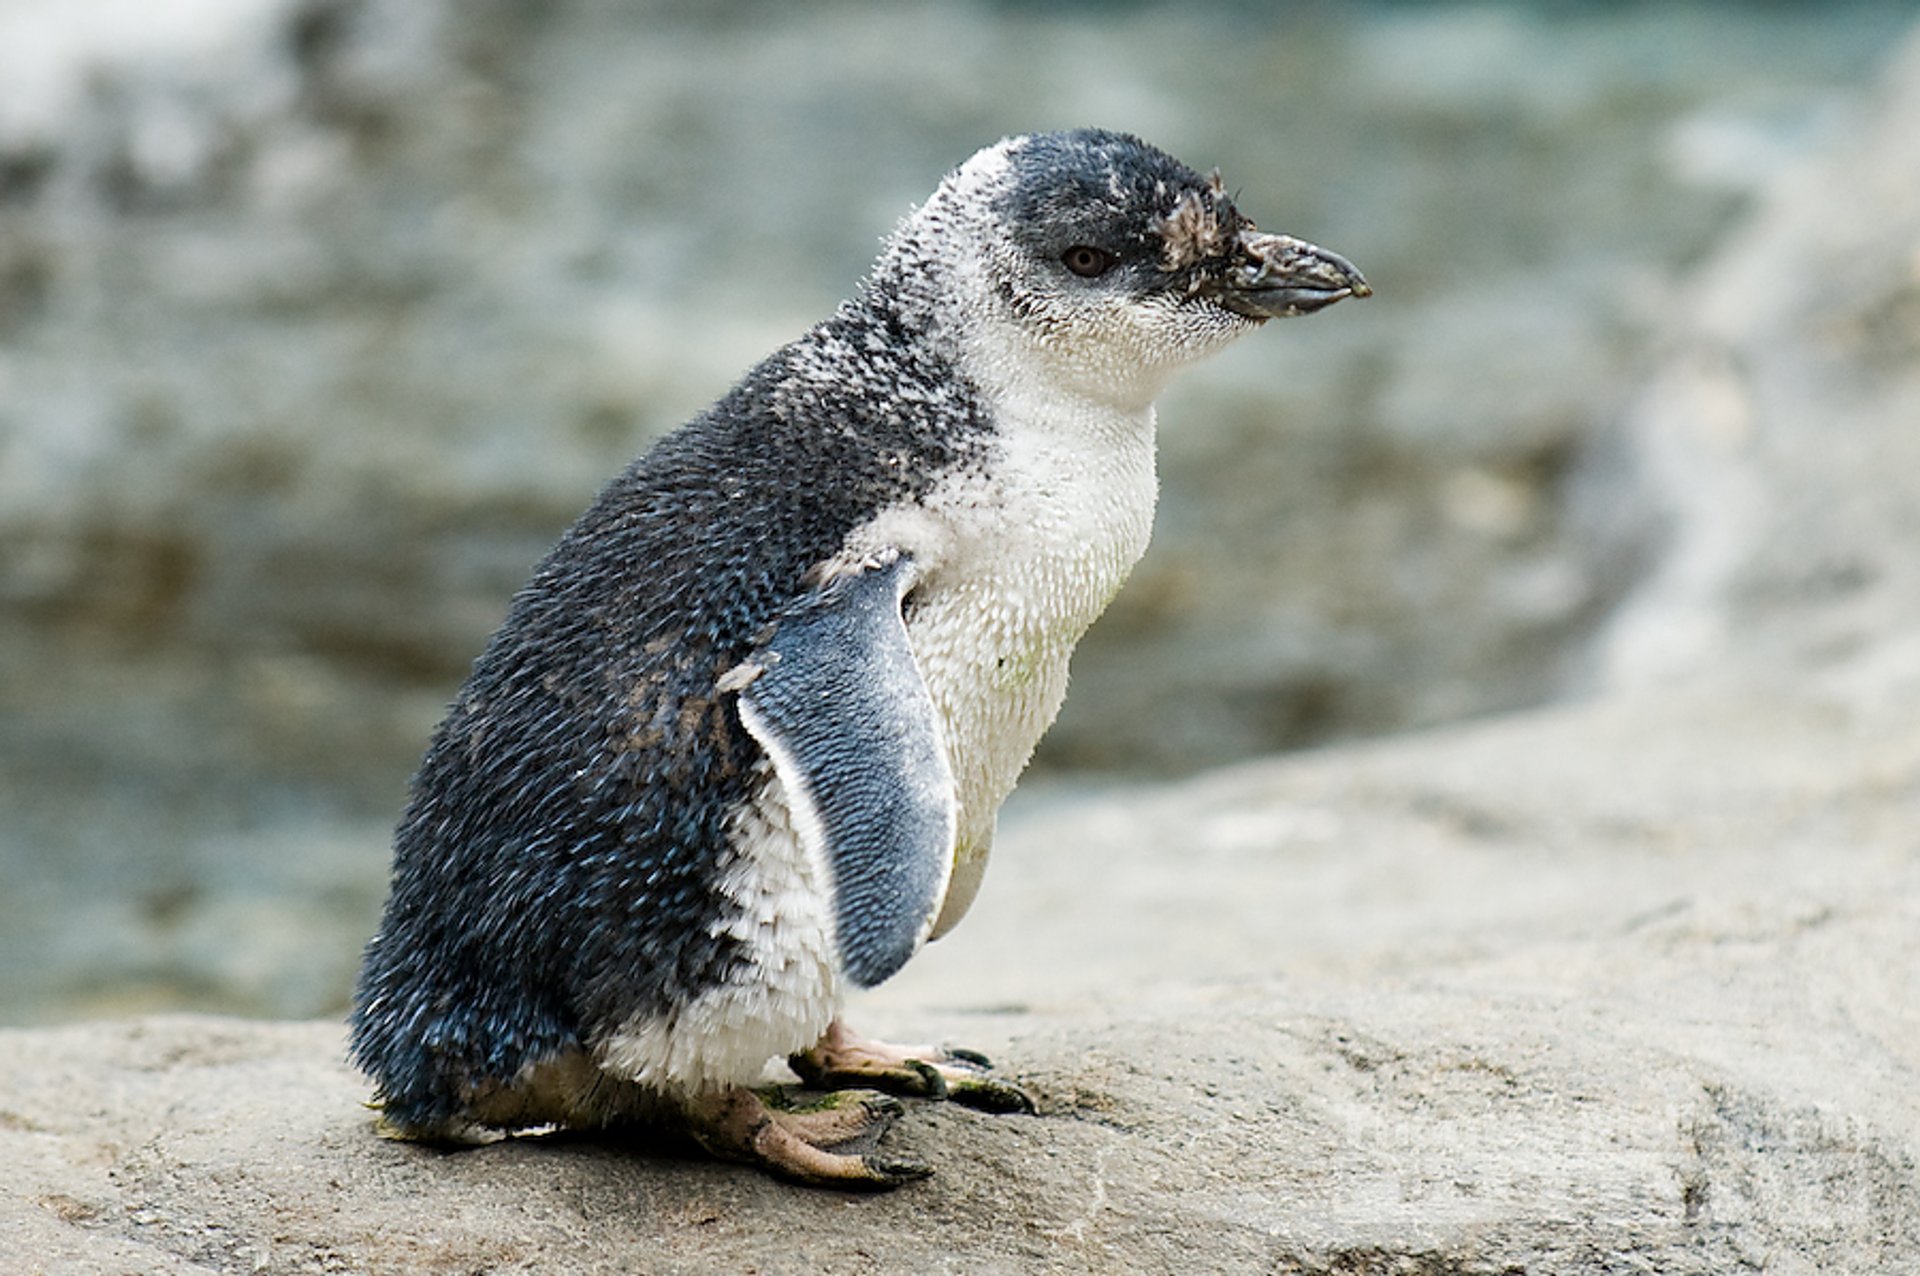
x: 855, y: 737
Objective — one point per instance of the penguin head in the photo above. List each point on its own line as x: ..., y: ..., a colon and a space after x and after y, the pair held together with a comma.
x: 1103, y: 264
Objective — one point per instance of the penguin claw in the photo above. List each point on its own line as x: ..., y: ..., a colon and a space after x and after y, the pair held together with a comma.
x: 843, y: 1121
x: 983, y: 1094
x: 913, y: 1078
x: 840, y: 1059
x: 890, y: 1174
x: 826, y: 1144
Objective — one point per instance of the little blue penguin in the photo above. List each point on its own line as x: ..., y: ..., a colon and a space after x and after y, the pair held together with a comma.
x: 739, y: 745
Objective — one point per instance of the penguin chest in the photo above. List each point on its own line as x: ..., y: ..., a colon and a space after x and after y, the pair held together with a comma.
x: 1030, y: 552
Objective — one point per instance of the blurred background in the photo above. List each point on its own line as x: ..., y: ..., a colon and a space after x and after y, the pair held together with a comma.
x: 320, y: 320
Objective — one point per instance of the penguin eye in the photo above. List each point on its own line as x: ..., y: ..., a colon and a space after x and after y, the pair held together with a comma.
x: 1087, y: 261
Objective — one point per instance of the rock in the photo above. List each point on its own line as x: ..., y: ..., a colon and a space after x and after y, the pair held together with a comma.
x: 321, y: 318
x: 1777, y: 435
x: 1623, y: 988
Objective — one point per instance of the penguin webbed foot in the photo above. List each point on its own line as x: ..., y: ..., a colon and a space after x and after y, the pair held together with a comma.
x: 842, y: 1059
x: 827, y: 1143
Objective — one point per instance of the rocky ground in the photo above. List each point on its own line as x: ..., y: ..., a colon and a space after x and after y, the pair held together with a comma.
x: 1626, y: 985
x: 1627, y: 988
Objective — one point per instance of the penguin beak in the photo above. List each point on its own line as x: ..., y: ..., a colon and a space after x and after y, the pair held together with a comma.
x: 1276, y: 276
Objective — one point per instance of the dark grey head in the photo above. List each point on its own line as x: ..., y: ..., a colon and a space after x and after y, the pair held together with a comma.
x: 1110, y: 260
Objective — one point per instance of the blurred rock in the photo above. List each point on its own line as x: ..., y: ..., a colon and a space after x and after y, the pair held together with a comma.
x: 325, y: 316
x: 1778, y: 437
x: 319, y: 319
x: 1619, y: 989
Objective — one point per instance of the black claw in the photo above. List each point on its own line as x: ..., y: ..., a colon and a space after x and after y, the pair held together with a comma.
x: 935, y: 1084
x: 883, y: 1107
x: 920, y: 1079
x: 894, y: 1173
x: 915, y: 1078
x: 996, y: 1097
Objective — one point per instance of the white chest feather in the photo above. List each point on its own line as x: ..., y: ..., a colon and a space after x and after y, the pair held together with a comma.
x: 1016, y: 561
x: 1034, y: 557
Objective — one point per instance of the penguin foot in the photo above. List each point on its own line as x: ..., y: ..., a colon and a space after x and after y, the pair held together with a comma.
x: 843, y: 1059
x: 826, y: 1144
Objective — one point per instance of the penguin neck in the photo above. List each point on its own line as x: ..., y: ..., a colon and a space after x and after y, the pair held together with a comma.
x: 1045, y: 390
x: 952, y: 314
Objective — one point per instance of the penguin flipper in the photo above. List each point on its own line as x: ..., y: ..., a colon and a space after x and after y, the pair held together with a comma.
x: 837, y: 701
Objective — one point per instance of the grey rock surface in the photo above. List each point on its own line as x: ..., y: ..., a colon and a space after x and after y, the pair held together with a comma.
x: 1629, y: 988
x: 1628, y: 985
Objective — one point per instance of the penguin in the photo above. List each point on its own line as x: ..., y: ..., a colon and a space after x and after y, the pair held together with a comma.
x: 739, y: 746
